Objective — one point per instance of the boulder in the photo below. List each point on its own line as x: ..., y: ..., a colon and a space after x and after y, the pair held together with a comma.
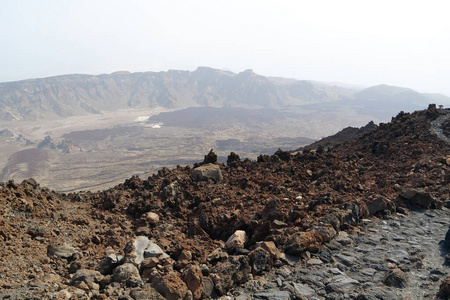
x: 127, y: 274
x: 140, y: 248
x: 226, y: 274
x: 63, y: 251
x: 380, y: 204
x: 302, y: 241
x: 396, y: 278
x: 87, y: 276
x: 236, y: 241
x: 107, y: 265
x: 152, y: 218
x: 193, y: 278
x: 170, y: 286
x: 418, y: 198
x: 260, y: 261
x: 208, y: 171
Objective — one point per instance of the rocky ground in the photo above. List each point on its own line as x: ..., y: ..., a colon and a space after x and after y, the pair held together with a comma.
x: 362, y: 220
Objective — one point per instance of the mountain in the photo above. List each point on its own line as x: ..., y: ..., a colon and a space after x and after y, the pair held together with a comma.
x: 75, y: 95
x: 279, y: 227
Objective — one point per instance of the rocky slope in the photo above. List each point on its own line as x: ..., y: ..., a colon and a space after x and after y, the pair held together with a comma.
x: 280, y: 227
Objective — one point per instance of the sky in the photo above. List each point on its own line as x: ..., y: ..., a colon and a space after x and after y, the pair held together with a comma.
x: 362, y: 43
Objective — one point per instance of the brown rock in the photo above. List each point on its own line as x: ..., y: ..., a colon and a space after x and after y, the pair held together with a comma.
x: 444, y: 288
x: 152, y: 218
x: 302, y: 241
x: 170, y: 286
x: 271, y: 248
x: 193, y: 278
x: 380, y: 204
x: 396, y: 278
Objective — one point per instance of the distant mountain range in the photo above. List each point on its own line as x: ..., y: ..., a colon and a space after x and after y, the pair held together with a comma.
x: 72, y: 95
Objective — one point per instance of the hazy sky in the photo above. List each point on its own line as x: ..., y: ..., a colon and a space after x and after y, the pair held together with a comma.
x: 396, y: 42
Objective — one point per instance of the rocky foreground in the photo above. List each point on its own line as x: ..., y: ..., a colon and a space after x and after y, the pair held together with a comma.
x: 362, y: 220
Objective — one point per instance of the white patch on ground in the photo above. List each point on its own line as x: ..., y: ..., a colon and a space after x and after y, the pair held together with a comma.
x: 142, y: 119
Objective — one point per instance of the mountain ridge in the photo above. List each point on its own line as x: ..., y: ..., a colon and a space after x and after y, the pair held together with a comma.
x: 80, y: 94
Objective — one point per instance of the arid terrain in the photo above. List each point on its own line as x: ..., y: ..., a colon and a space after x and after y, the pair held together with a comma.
x: 276, y: 227
x: 84, y: 132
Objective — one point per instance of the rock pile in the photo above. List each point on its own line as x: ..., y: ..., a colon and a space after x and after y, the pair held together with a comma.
x: 326, y: 224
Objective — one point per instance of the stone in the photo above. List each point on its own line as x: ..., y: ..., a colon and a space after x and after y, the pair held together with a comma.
x: 260, y: 261
x: 146, y: 293
x: 380, y: 204
x: 127, y: 274
x: 207, y: 287
x: 396, y: 278
x: 208, y: 171
x: 270, y: 247
x: 217, y: 255
x: 170, y: 286
x: 377, y: 293
x: 152, y: 218
x: 444, y: 288
x: 63, y: 251
x: 140, y: 248
x: 273, y: 295
x: 302, y: 241
x: 342, y: 284
x: 226, y: 274
x: 233, y: 159
x: 109, y: 263
x: 346, y: 259
x: 236, y: 241
x: 193, y: 278
x: 302, y: 290
x: 87, y: 276
x: 418, y: 198
x: 36, y: 231
x: 314, y: 262
x: 144, y: 231
x: 210, y: 158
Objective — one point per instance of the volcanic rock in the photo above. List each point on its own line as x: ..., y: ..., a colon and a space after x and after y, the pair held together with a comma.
x: 236, y: 241
x: 127, y: 274
x: 208, y: 171
x: 193, y: 278
x: 170, y: 286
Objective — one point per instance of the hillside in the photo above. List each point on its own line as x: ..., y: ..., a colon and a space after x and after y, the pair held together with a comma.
x: 77, y: 95
x: 290, y: 214
x: 72, y: 95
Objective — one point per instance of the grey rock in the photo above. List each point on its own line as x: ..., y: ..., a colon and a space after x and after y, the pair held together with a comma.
x: 127, y: 274
x: 342, y: 284
x: 346, y: 260
x: 208, y: 171
x: 140, y: 248
x: 273, y: 295
x: 63, y: 251
x: 303, y: 290
x: 87, y: 276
